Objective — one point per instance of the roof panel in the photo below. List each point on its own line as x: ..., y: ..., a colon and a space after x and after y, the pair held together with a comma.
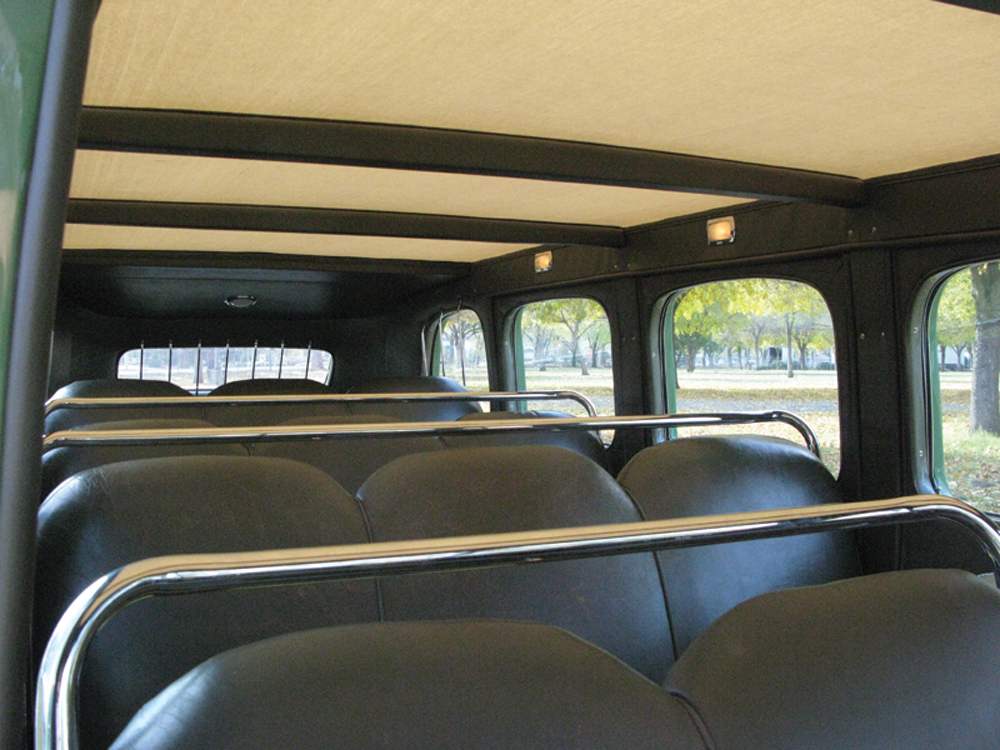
x: 844, y: 86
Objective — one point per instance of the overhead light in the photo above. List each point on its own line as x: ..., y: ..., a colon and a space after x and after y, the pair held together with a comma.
x: 543, y: 262
x: 722, y: 230
x: 241, y: 301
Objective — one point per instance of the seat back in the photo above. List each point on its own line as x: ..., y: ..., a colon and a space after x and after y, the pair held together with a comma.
x: 891, y: 661
x: 614, y: 602
x: 417, y: 411
x: 251, y: 415
x: 59, y: 464
x: 474, y: 685
x: 67, y: 419
x: 704, y: 476
x: 350, y: 461
x: 583, y: 442
x: 123, y: 512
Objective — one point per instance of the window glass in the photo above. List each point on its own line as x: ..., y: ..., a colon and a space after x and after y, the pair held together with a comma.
x: 565, y: 344
x: 200, y: 369
x: 460, y: 350
x: 964, y: 356
x: 750, y: 345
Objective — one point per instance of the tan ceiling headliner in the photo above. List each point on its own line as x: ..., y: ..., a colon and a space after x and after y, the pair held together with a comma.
x: 155, y: 177
x: 858, y: 87
x: 100, y: 237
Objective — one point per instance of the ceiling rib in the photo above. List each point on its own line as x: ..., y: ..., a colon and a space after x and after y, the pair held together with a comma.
x: 338, y: 221
x: 455, y: 151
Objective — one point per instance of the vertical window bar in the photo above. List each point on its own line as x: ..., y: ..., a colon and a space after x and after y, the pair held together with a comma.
x: 253, y: 367
x: 197, y: 371
x: 309, y: 355
x: 170, y: 361
x: 142, y: 352
x: 441, y: 339
x: 281, y: 359
x: 424, y: 363
x: 225, y: 374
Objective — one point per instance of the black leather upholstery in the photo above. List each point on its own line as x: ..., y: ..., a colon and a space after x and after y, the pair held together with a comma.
x: 351, y: 460
x: 251, y: 415
x: 270, y: 387
x: 417, y: 411
x: 585, y: 443
x: 732, y: 474
x: 894, y: 661
x: 414, y: 685
x: 112, y: 515
x: 67, y: 419
x: 616, y: 603
x: 59, y: 464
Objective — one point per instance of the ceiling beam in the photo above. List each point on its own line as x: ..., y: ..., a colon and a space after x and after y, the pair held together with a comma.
x: 338, y: 221
x: 455, y: 151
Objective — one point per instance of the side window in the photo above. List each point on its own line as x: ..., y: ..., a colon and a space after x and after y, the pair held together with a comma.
x: 964, y: 362
x: 200, y: 369
x: 750, y: 345
x: 460, y: 350
x: 565, y: 344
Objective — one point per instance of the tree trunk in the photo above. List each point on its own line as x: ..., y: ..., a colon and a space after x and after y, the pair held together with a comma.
x: 985, y: 412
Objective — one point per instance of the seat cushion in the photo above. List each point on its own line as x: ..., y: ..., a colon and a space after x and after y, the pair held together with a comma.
x: 414, y: 685
x: 885, y: 662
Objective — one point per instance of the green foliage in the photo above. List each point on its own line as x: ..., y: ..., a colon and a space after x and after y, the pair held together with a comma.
x: 751, y: 312
x: 956, y: 324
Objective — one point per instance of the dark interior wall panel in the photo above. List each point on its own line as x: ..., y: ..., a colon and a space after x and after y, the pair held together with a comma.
x: 959, y: 199
x: 93, y: 342
x: 762, y: 230
x: 877, y: 362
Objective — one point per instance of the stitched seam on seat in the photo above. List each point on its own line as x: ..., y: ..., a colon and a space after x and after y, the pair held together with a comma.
x: 659, y: 572
x: 371, y: 540
x: 692, y: 711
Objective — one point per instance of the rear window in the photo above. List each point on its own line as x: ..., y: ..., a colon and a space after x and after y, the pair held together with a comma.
x: 200, y: 369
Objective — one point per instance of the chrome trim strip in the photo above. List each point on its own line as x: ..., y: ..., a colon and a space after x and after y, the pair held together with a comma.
x: 53, y: 404
x: 55, y: 720
x: 281, y: 433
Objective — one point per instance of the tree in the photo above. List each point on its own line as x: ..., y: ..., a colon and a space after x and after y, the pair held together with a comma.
x: 985, y: 413
x: 458, y: 328
x: 749, y: 300
x: 700, y: 312
x: 598, y: 337
x: 577, y: 316
x: 956, y: 316
x: 537, y: 330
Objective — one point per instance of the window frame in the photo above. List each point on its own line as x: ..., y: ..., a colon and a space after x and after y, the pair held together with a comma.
x: 663, y: 378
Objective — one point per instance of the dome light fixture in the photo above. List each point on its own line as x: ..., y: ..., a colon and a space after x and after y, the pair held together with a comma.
x: 241, y: 301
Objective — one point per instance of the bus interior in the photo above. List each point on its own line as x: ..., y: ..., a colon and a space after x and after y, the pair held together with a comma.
x: 420, y: 374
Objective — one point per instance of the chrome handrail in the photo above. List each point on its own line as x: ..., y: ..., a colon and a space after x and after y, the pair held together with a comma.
x: 54, y: 404
x: 59, y: 674
x: 278, y: 433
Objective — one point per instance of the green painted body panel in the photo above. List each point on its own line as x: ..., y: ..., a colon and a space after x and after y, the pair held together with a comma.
x: 24, y: 33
